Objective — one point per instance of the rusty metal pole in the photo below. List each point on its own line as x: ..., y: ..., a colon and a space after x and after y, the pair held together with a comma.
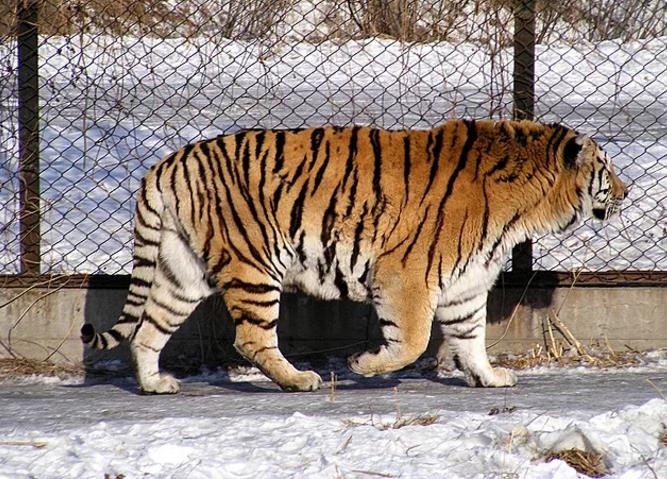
x: 524, y: 96
x: 28, y: 122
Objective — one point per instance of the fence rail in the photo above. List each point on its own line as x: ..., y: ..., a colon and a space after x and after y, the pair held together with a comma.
x: 93, y: 93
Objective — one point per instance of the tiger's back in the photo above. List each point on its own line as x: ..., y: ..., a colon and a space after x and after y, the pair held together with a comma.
x: 416, y: 222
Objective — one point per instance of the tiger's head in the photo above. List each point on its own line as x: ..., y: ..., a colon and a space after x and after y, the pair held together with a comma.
x: 600, y: 190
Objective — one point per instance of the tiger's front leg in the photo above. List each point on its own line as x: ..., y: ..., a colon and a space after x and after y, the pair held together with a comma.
x: 463, y: 324
x: 254, y: 307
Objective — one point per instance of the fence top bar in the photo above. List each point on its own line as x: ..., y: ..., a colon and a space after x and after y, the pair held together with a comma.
x: 538, y: 279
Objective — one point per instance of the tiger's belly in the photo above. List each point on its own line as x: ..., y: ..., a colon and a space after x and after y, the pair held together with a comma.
x: 330, y: 279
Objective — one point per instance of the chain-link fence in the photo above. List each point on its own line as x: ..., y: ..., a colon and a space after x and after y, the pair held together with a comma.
x: 93, y: 93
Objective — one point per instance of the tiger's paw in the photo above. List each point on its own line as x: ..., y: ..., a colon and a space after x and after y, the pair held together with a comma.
x: 363, y: 364
x: 303, y: 381
x: 499, y: 378
x: 160, y: 384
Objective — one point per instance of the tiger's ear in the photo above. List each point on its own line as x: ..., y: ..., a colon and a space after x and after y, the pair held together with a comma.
x: 571, y: 151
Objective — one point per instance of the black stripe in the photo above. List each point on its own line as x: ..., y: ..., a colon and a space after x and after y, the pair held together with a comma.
x: 461, y: 319
x: 141, y: 240
x: 299, y: 248
x: 171, y: 275
x: 262, y: 350
x: 458, y: 301
x: 356, y: 246
x: 127, y: 318
x: 153, y: 322
x: 502, y: 235
x: 363, y: 279
x: 322, y: 169
x: 352, y: 196
x: 261, y: 303
x: 280, y: 151
x: 259, y: 142
x: 117, y: 336
x: 459, y: 246
x: 485, y: 217
x: 352, y: 153
x: 316, y: 137
x: 145, y: 202
x: 223, y: 260
x: 374, y: 137
x: 253, y: 288
x: 467, y: 334
x: 407, y: 166
x: 204, y: 171
x: 555, y: 140
x: 136, y: 302
x: 228, y: 160
x: 408, y: 249
x: 328, y: 219
x: 297, y: 212
x: 500, y: 165
x: 140, y: 283
x: 172, y: 176
x: 339, y: 282
x: 141, y: 262
x: 192, y: 185
x: 168, y: 308
x: 185, y: 299
x: 245, y: 162
x: 433, y: 150
x: 387, y: 322
x: 247, y: 318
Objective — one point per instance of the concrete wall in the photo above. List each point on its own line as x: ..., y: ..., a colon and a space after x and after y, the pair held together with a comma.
x: 43, y: 323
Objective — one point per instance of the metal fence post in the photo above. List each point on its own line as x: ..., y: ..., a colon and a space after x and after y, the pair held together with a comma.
x: 524, y: 95
x: 28, y: 120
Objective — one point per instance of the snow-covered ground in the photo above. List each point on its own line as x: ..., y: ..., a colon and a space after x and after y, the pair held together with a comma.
x: 404, y: 425
x: 111, y: 107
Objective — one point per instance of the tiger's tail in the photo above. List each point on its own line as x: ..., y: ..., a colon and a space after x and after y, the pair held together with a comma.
x: 147, y: 231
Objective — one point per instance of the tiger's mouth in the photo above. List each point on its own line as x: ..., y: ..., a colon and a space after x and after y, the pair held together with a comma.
x: 600, y: 213
x: 612, y: 208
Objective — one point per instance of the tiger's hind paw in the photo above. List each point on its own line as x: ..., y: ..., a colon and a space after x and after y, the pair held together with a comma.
x: 160, y: 384
x: 359, y: 363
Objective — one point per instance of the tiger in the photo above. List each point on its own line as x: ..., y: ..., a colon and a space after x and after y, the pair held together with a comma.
x: 416, y: 222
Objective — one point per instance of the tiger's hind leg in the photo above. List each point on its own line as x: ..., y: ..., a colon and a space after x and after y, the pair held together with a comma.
x: 463, y: 325
x: 254, y: 305
x: 178, y: 287
x: 405, y: 310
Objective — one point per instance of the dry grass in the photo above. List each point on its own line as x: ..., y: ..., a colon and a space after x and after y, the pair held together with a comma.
x: 540, y: 356
x: 404, y: 20
x: 17, y: 368
x: 398, y: 423
x: 584, y: 462
x: 560, y: 347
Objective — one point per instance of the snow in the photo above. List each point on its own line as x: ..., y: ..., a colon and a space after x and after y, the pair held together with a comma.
x: 408, y: 425
x: 144, y: 97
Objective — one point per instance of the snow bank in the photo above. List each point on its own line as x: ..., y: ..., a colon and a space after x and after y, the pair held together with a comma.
x: 458, y: 445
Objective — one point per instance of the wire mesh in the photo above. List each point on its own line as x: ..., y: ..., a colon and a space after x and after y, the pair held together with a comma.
x: 123, y: 83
